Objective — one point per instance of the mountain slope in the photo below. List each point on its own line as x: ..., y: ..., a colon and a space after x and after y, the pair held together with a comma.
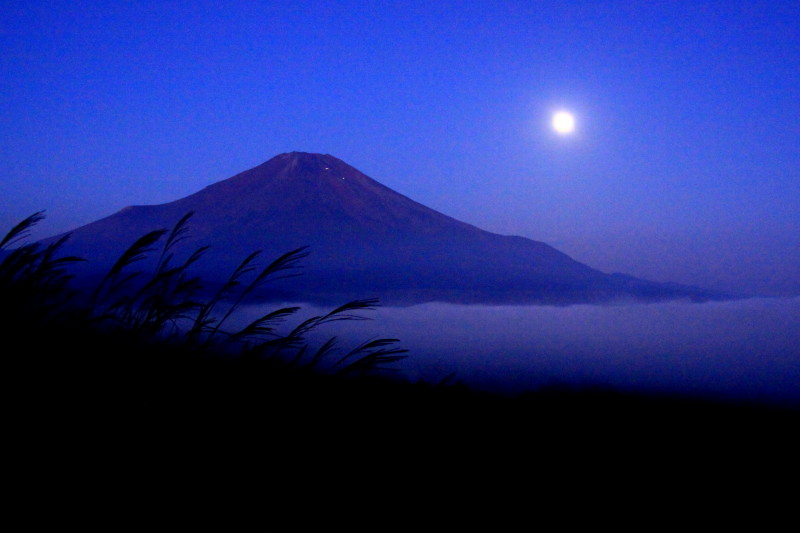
x: 364, y: 240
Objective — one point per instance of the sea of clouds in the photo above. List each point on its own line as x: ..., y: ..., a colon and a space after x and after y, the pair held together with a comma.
x: 748, y: 349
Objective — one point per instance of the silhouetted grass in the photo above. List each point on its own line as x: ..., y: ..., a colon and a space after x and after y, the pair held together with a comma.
x: 165, y: 306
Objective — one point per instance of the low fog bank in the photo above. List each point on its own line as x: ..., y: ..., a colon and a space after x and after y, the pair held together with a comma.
x: 745, y: 349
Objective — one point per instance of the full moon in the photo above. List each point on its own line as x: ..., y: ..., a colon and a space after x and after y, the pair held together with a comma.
x: 563, y: 122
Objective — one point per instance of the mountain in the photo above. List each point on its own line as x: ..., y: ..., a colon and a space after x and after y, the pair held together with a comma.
x: 364, y: 239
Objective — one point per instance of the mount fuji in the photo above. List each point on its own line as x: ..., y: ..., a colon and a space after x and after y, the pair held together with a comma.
x: 364, y: 240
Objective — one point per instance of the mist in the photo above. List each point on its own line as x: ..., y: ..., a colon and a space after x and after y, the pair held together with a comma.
x: 745, y: 350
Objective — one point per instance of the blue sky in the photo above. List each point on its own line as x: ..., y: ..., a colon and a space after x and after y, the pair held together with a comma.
x: 685, y: 164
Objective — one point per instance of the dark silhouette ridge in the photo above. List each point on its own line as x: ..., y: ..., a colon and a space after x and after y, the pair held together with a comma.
x: 363, y: 238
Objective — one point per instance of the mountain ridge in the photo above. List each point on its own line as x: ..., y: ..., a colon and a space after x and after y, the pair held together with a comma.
x: 365, y: 239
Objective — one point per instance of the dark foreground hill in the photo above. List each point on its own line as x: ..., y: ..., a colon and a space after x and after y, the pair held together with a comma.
x: 109, y: 382
x: 364, y: 240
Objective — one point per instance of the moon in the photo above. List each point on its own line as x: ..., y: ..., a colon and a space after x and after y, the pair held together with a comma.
x: 564, y: 122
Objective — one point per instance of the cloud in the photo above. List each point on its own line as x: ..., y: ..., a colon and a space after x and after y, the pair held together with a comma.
x: 745, y: 349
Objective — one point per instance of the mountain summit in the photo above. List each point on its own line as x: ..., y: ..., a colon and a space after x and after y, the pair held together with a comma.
x: 364, y: 240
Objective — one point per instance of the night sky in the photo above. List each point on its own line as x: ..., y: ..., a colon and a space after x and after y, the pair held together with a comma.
x: 684, y: 164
